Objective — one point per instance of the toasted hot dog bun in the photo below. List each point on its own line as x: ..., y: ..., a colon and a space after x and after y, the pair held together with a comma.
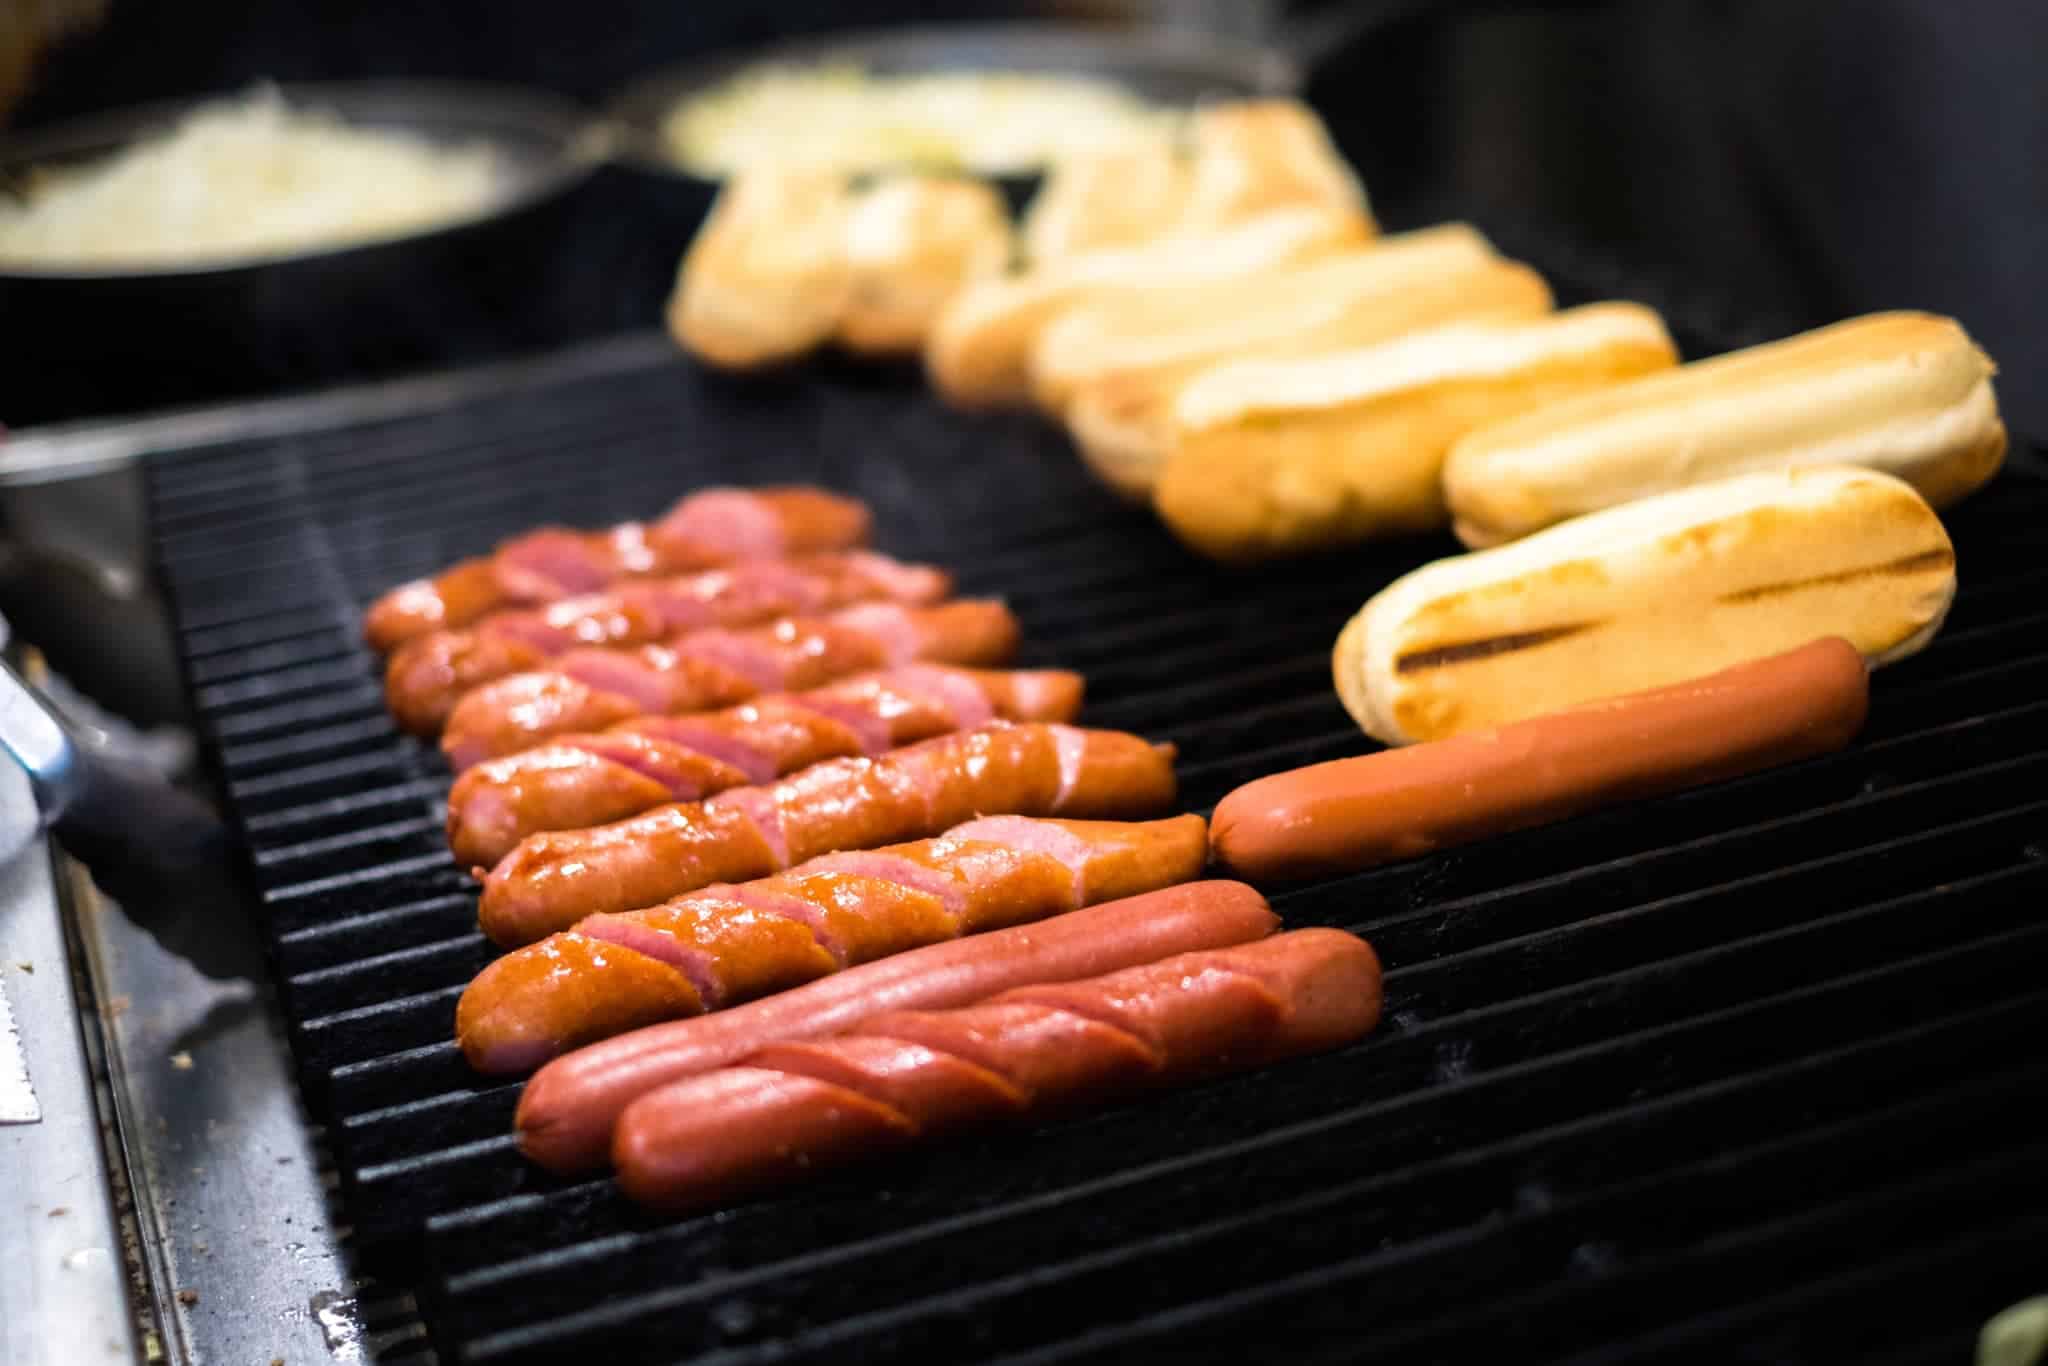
x: 910, y: 242
x: 1119, y: 195
x: 1339, y: 817
x: 1230, y: 161
x: 1645, y: 595
x: 1254, y: 156
x: 980, y: 348
x: 766, y: 278
x: 1122, y: 419
x: 1282, y: 456
x: 1906, y: 393
x: 1127, y: 335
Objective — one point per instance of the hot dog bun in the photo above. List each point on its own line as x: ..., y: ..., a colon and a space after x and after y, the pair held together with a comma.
x: 1648, y: 594
x: 1139, y: 334
x: 1287, y: 455
x: 910, y: 242
x: 1906, y: 393
x: 1228, y: 162
x: 765, y: 280
x: 1118, y: 195
x: 1254, y: 156
x: 980, y: 348
x: 1120, y: 418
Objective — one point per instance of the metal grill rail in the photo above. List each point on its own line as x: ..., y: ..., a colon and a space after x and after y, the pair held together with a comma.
x: 1735, y: 1074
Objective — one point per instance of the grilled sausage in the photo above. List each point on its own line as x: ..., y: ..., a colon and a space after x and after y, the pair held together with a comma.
x: 707, y: 528
x: 1350, y: 814
x: 567, y: 1111
x: 553, y: 880
x: 575, y: 781
x: 902, y: 1077
x: 588, y: 690
x: 728, y: 944
x: 428, y: 675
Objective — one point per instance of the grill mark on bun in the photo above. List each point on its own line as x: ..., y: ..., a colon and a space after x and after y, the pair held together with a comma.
x: 1486, y: 647
x: 1939, y: 558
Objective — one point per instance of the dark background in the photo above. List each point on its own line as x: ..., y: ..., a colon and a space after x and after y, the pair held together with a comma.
x: 1797, y: 161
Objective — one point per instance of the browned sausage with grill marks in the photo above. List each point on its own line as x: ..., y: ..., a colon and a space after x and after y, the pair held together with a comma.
x: 553, y: 880
x: 796, y: 1107
x: 727, y: 944
x: 567, y: 1110
x: 429, y: 674
x: 575, y: 781
x: 587, y: 690
x: 708, y: 528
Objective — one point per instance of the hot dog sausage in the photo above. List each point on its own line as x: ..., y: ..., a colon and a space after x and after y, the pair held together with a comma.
x: 588, y: 690
x: 429, y: 674
x: 551, y: 881
x: 567, y: 1111
x: 575, y: 781
x: 707, y: 528
x: 794, y: 1107
x: 1353, y: 813
x: 728, y: 944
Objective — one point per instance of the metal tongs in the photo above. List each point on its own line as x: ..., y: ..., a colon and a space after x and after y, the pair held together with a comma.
x: 143, y: 838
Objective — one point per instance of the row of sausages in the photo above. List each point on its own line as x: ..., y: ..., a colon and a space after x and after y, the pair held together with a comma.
x: 693, y: 949
x: 868, y: 1058
x: 674, y: 861
x: 1163, y: 988
x: 732, y: 858
x: 576, y: 780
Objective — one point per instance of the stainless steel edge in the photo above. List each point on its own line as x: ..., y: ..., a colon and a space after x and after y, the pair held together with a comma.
x: 73, y: 450
x: 245, y: 1260
x: 64, y: 1273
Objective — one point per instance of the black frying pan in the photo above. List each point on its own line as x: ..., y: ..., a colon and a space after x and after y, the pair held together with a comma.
x: 101, y: 340
x: 1168, y: 66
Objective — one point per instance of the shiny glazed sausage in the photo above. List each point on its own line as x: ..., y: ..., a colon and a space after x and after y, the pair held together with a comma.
x: 705, y: 529
x: 567, y: 1110
x: 551, y: 881
x: 727, y: 944
x: 575, y: 781
x: 429, y: 674
x: 1354, y: 813
x: 907, y: 1076
x: 587, y: 690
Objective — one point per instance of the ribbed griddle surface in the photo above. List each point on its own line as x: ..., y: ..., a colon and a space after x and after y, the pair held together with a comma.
x: 1738, y: 1074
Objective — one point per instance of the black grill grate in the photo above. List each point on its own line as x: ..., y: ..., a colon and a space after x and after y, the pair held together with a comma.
x: 1733, y: 1075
